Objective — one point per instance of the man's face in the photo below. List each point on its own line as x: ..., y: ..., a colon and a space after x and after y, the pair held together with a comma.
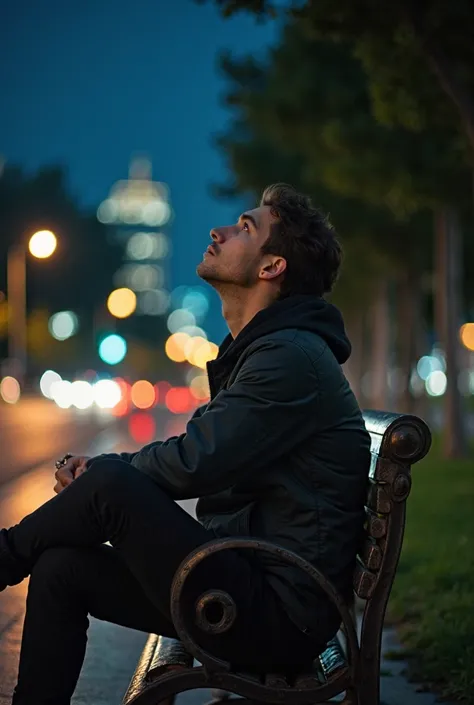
x: 234, y: 256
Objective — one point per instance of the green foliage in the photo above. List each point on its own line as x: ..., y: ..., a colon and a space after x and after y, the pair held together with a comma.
x: 433, y: 592
x: 304, y: 117
x: 418, y: 56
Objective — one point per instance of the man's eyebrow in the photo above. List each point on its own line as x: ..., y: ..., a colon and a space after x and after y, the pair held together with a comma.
x: 249, y: 216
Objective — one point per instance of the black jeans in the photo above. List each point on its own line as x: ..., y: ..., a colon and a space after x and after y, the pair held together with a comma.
x: 73, y: 575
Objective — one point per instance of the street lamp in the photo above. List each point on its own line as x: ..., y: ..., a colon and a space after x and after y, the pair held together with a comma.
x: 41, y: 245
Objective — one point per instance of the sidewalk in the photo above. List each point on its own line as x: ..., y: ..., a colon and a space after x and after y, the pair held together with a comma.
x: 395, y: 689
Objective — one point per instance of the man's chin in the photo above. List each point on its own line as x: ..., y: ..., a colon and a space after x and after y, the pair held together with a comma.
x: 205, y: 272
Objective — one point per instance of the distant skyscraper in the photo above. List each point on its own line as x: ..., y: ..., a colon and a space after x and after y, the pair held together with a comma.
x: 140, y: 213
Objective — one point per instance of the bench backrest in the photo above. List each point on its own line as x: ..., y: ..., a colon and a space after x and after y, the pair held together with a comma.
x: 398, y: 441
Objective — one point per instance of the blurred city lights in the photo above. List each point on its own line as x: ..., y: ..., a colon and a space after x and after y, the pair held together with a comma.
x: 42, y: 244
x: 82, y: 394
x: 467, y: 335
x: 174, y: 347
x: 162, y: 389
x: 107, y: 393
x: 113, y: 349
x: 123, y: 406
x: 47, y: 380
x: 199, y: 388
x: 122, y: 303
x: 10, y: 390
x: 178, y: 294
x: 61, y: 392
x: 428, y: 364
x: 179, y: 400
x: 179, y: 318
x: 436, y: 383
x: 63, y: 325
x: 142, y: 427
x: 143, y: 394
x: 196, y: 302
x: 200, y: 351
x: 147, y: 246
x: 154, y: 302
x: 137, y: 200
x: 194, y: 331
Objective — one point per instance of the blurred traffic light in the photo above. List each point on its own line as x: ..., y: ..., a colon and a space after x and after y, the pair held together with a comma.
x: 112, y: 349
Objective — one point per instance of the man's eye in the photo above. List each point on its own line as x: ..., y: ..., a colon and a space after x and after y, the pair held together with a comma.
x: 246, y: 227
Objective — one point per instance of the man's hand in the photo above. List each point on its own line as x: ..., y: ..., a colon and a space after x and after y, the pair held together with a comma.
x: 69, y: 472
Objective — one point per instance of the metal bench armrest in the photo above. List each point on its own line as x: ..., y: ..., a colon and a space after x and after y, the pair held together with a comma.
x: 195, y: 557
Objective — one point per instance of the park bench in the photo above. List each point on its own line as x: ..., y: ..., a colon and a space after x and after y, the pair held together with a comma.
x: 350, y: 665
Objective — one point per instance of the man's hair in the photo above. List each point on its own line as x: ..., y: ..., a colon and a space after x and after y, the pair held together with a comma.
x: 305, y: 238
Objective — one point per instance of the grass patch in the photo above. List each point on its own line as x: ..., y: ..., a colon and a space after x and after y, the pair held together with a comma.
x: 433, y: 594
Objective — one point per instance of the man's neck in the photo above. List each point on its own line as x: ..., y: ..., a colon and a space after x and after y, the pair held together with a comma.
x: 238, y: 308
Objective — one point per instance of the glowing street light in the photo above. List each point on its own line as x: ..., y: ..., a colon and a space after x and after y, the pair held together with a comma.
x: 41, y: 245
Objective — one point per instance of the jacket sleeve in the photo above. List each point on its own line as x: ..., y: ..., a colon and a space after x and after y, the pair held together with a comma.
x: 128, y: 457
x: 270, y: 407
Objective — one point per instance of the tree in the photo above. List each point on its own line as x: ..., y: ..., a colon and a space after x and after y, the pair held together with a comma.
x: 394, y: 40
x: 420, y: 107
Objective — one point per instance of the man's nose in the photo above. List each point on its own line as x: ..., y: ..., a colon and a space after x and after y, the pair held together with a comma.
x: 217, y: 235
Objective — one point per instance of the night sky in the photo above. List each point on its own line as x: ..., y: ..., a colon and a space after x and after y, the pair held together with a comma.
x: 87, y: 83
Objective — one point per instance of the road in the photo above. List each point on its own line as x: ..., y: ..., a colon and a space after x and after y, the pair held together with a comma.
x: 33, y: 434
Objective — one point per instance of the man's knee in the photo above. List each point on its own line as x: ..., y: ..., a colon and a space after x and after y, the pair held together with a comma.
x: 111, y: 474
x: 55, y: 565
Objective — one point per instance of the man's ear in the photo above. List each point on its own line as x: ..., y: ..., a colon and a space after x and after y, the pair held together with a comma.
x: 273, y: 268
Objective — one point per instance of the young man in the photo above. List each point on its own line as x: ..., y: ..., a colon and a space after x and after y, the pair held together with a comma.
x: 280, y: 452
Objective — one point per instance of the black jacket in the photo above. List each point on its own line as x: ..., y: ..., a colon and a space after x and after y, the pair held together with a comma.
x: 280, y: 452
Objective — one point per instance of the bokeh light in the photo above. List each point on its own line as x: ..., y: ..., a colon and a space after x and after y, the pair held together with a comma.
x: 179, y: 318
x: 63, y: 325
x: 179, y: 400
x: 107, y: 393
x: 154, y: 302
x: 47, y: 379
x: 467, y: 335
x: 162, y: 389
x: 143, y: 246
x: 142, y: 427
x: 10, y: 390
x: 61, y: 392
x: 113, y: 349
x: 200, y: 351
x: 122, y: 302
x: 196, y: 301
x: 123, y: 406
x: 175, y: 345
x: 42, y: 244
x: 143, y: 394
x: 436, y: 383
x: 204, y: 353
x: 199, y: 388
x: 82, y: 394
x: 194, y: 331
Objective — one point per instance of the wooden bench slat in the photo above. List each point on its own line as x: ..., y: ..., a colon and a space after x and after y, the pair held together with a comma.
x: 364, y: 582
x: 376, y: 526
x: 139, y: 678
x: 169, y: 655
x: 379, y: 500
x: 371, y: 555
